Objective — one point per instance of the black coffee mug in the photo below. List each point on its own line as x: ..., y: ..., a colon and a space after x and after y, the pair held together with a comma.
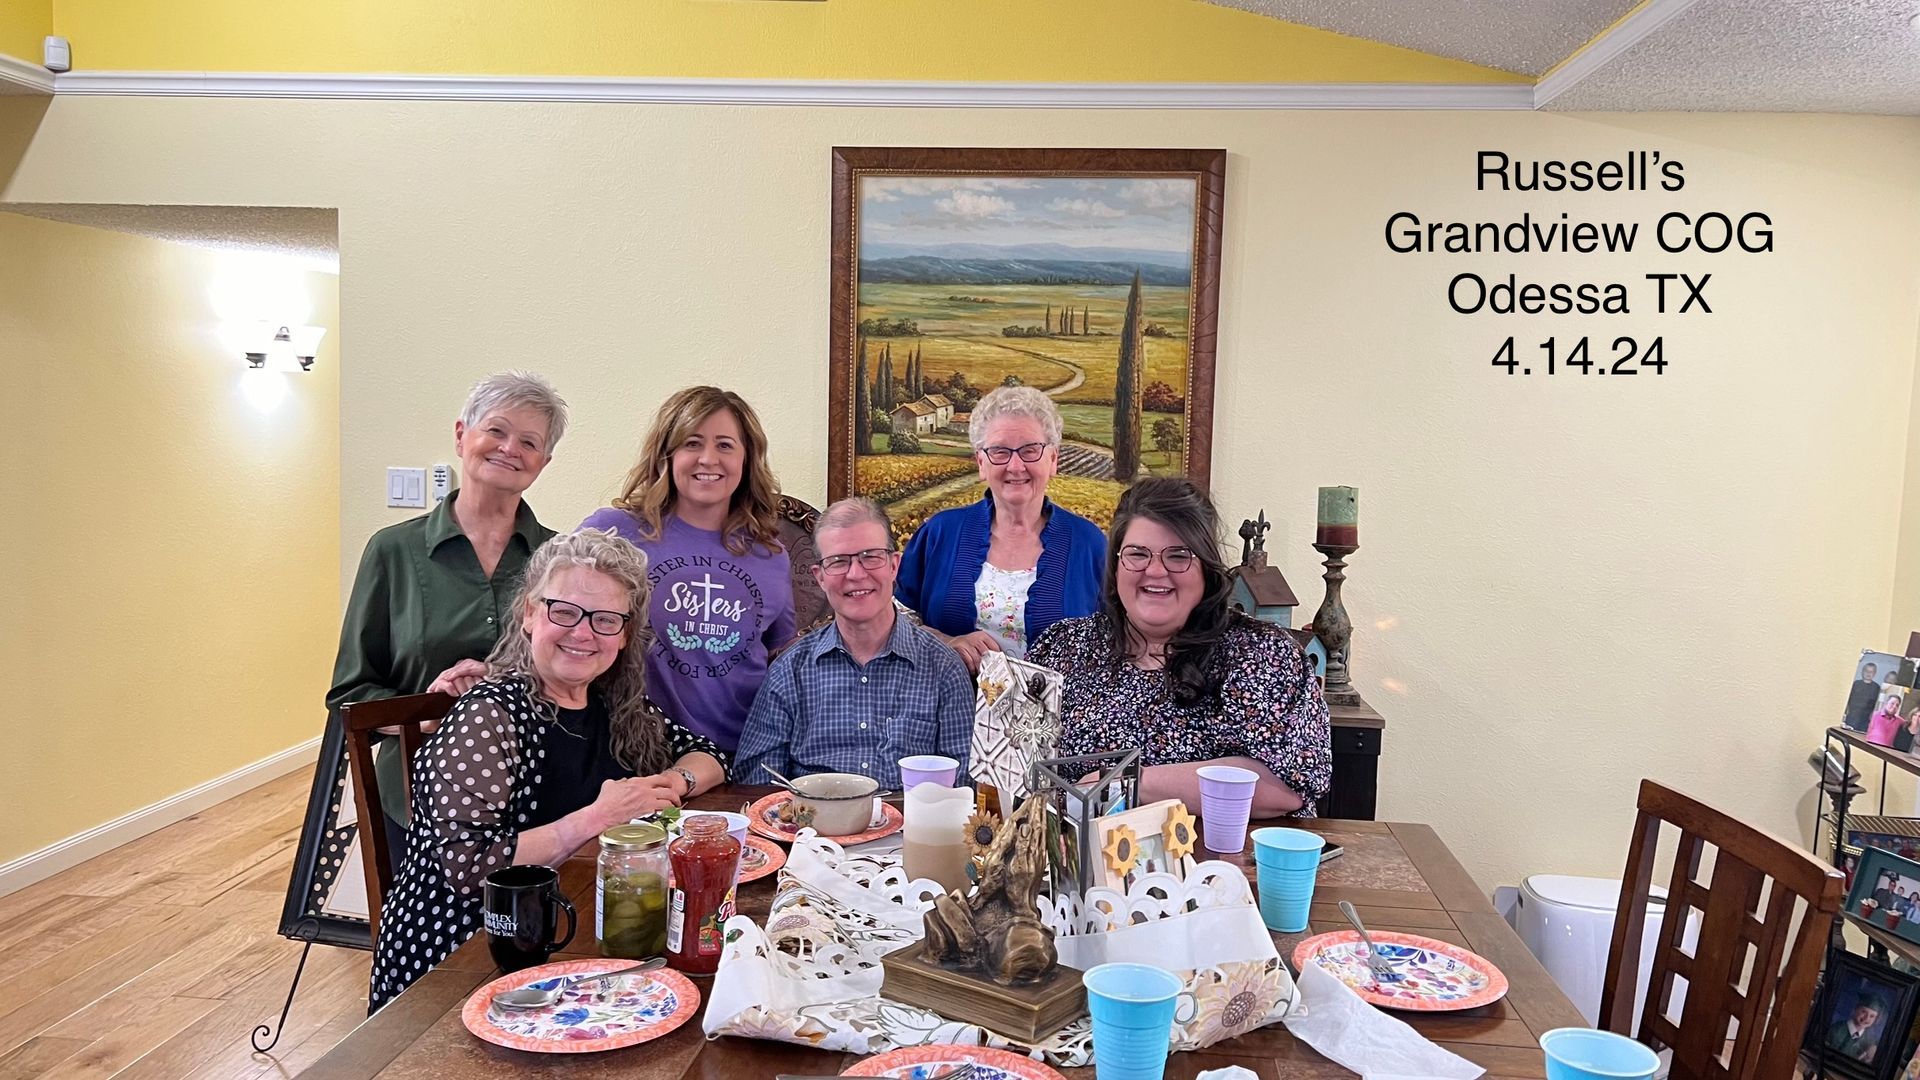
x: 522, y: 915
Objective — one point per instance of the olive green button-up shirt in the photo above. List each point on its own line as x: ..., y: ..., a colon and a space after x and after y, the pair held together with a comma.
x: 421, y: 604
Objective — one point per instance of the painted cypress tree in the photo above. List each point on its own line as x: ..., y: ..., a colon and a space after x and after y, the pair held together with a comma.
x: 886, y: 402
x: 1127, y: 389
x: 1049, y: 322
x: 862, y: 405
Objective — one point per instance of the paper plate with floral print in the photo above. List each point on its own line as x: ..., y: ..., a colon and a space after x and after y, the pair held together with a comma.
x: 632, y: 1009
x: 921, y: 1062
x: 763, y: 817
x: 1435, y: 976
x: 760, y: 858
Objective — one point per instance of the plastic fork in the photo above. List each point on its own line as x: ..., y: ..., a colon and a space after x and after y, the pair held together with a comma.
x: 1380, y: 966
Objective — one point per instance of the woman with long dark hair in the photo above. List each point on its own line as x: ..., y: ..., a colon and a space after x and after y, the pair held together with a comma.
x: 1169, y: 666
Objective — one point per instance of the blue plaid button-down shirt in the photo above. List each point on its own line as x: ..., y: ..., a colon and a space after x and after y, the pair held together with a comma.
x: 819, y: 711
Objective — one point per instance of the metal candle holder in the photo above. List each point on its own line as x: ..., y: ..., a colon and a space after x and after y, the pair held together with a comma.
x: 1333, y: 628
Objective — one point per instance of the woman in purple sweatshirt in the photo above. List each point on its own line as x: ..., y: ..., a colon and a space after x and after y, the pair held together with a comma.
x: 701, y: 504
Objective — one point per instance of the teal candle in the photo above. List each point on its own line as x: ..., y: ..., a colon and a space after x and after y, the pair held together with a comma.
x: 1339, y: 518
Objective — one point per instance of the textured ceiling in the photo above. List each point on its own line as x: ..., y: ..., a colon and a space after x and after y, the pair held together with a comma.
x: 1527, y: 36
x: 1837, y: 56
x: 308, y: 234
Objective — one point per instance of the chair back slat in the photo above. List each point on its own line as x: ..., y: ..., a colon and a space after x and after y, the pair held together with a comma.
x: 1764, y: 914
x: 363, y: 720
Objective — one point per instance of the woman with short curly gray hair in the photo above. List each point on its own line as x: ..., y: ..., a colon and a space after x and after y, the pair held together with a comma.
x: 990, y: 577
x: 431, y: 593
x: 557, y: 744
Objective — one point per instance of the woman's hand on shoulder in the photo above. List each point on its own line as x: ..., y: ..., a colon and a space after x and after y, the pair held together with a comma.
x: 623, y: 800
x: 459, y: 678
x: 972, y: 647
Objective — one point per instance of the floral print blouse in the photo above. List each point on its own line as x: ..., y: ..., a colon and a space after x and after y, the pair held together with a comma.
x: 476, y: 786
x: 1000, y: 606
x: 1267, y: 706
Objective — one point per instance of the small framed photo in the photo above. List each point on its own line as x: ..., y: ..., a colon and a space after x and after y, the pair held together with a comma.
x: 1145, y: 840
x: 1895, y: 720
x: 1900, y: 835
x: 1886, y: 893
x: 1868, y: 1009
x: 1874, y: 675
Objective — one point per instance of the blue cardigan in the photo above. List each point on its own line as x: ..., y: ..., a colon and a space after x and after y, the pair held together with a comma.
x: 944, y: 558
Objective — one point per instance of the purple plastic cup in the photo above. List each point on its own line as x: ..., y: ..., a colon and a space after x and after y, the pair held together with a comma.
x: 1226, y: 801
x: 927, y: 769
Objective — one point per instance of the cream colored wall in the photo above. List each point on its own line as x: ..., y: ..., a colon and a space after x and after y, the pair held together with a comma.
x: 172, y: 549
x: 1566, y: 584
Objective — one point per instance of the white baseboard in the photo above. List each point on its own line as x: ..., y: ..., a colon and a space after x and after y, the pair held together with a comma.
x: 78, y: 848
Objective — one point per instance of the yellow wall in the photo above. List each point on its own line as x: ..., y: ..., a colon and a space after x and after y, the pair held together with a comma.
x: 23, y: 25
x: 172, y: 550
x: 1566, y: 584
x: 985, y: 40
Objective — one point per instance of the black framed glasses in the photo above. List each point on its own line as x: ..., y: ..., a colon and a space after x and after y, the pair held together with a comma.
x: 604, y: 623
x: 870, y: 559
x: 1177, y: 560
x: 1000, y: 455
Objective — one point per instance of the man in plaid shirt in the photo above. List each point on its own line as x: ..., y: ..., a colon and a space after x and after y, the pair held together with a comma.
x: 869, y: 688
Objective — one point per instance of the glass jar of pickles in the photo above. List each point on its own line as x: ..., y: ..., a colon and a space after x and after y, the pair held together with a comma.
x: 630, y: 910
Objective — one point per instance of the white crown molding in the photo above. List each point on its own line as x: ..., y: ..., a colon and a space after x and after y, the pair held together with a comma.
x: 78, y: 848
x: 1607, y: 48
x: 803, y: 92
x: 17, y: 76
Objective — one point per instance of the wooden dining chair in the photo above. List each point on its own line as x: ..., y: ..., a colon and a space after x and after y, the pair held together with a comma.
x: 1765, y: 913
x: 362, y: 720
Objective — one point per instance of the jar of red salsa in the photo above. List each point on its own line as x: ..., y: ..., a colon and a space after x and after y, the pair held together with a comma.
x: 704, y: 858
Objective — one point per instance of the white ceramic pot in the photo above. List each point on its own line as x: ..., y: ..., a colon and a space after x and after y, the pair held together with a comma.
x: 841, y: 804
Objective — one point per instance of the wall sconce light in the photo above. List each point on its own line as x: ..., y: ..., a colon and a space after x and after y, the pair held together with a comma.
x: 283, y: 347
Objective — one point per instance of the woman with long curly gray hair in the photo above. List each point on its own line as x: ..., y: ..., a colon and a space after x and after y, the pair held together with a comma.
x: 556, y: 744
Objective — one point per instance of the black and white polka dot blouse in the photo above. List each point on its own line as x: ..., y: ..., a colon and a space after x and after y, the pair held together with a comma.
x: 476, y: 786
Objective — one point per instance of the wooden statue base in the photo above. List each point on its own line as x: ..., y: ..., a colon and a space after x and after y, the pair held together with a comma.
x: 1025, y: 1013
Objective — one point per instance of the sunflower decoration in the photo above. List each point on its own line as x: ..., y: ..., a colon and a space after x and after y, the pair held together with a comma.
x: 982, y: 829
x: 1178, y: 833
x: 1120, y: 849
x: 993, y: 688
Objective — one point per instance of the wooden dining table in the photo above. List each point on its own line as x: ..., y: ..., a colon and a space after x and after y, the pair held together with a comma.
x: 1399, y: 876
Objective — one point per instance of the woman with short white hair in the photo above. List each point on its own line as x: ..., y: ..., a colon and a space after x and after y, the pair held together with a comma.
x: 432, y: 592
x: 992, y: 576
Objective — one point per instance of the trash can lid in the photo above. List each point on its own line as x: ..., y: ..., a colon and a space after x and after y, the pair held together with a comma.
x: 1591, y: 894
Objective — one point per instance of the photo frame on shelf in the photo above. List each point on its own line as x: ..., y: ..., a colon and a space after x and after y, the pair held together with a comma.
x: 1900, y: 835
x: 1862, y: 1017
x: 1886, y: 894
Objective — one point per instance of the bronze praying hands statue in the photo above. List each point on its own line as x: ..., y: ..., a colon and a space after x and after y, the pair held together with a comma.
x: 997, y: 930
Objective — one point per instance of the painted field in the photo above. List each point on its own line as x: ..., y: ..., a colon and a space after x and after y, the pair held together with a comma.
x: 888, y: 478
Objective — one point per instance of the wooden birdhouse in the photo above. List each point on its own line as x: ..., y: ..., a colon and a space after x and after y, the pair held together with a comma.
x: 1258, y: 589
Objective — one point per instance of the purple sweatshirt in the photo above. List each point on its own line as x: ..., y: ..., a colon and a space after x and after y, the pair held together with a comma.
x: 714, y: 616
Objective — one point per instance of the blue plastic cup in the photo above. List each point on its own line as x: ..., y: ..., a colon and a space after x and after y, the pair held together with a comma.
x: 1288, y: 862
x: 1586, y: 1054
x: 1133, y: 1006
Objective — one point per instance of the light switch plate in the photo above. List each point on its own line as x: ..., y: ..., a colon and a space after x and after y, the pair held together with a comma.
x: 406, y: 487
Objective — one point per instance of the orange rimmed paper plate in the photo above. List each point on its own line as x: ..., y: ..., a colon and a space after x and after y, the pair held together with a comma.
x: 763, y: 817
x: 919, y: 1062
x: 1435, y: 976
x: 632, y: 1009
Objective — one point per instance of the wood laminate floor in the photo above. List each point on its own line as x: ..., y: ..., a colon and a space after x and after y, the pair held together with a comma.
x: 158, y: 959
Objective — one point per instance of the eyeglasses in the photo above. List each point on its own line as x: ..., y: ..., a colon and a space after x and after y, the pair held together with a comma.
x: 1000, y: 455
x: 870, y: 559
x: 1177, y: 560
x: 604, y: 623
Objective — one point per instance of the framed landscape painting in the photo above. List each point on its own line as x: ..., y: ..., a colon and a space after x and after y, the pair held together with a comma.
x: 1092, y: 275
